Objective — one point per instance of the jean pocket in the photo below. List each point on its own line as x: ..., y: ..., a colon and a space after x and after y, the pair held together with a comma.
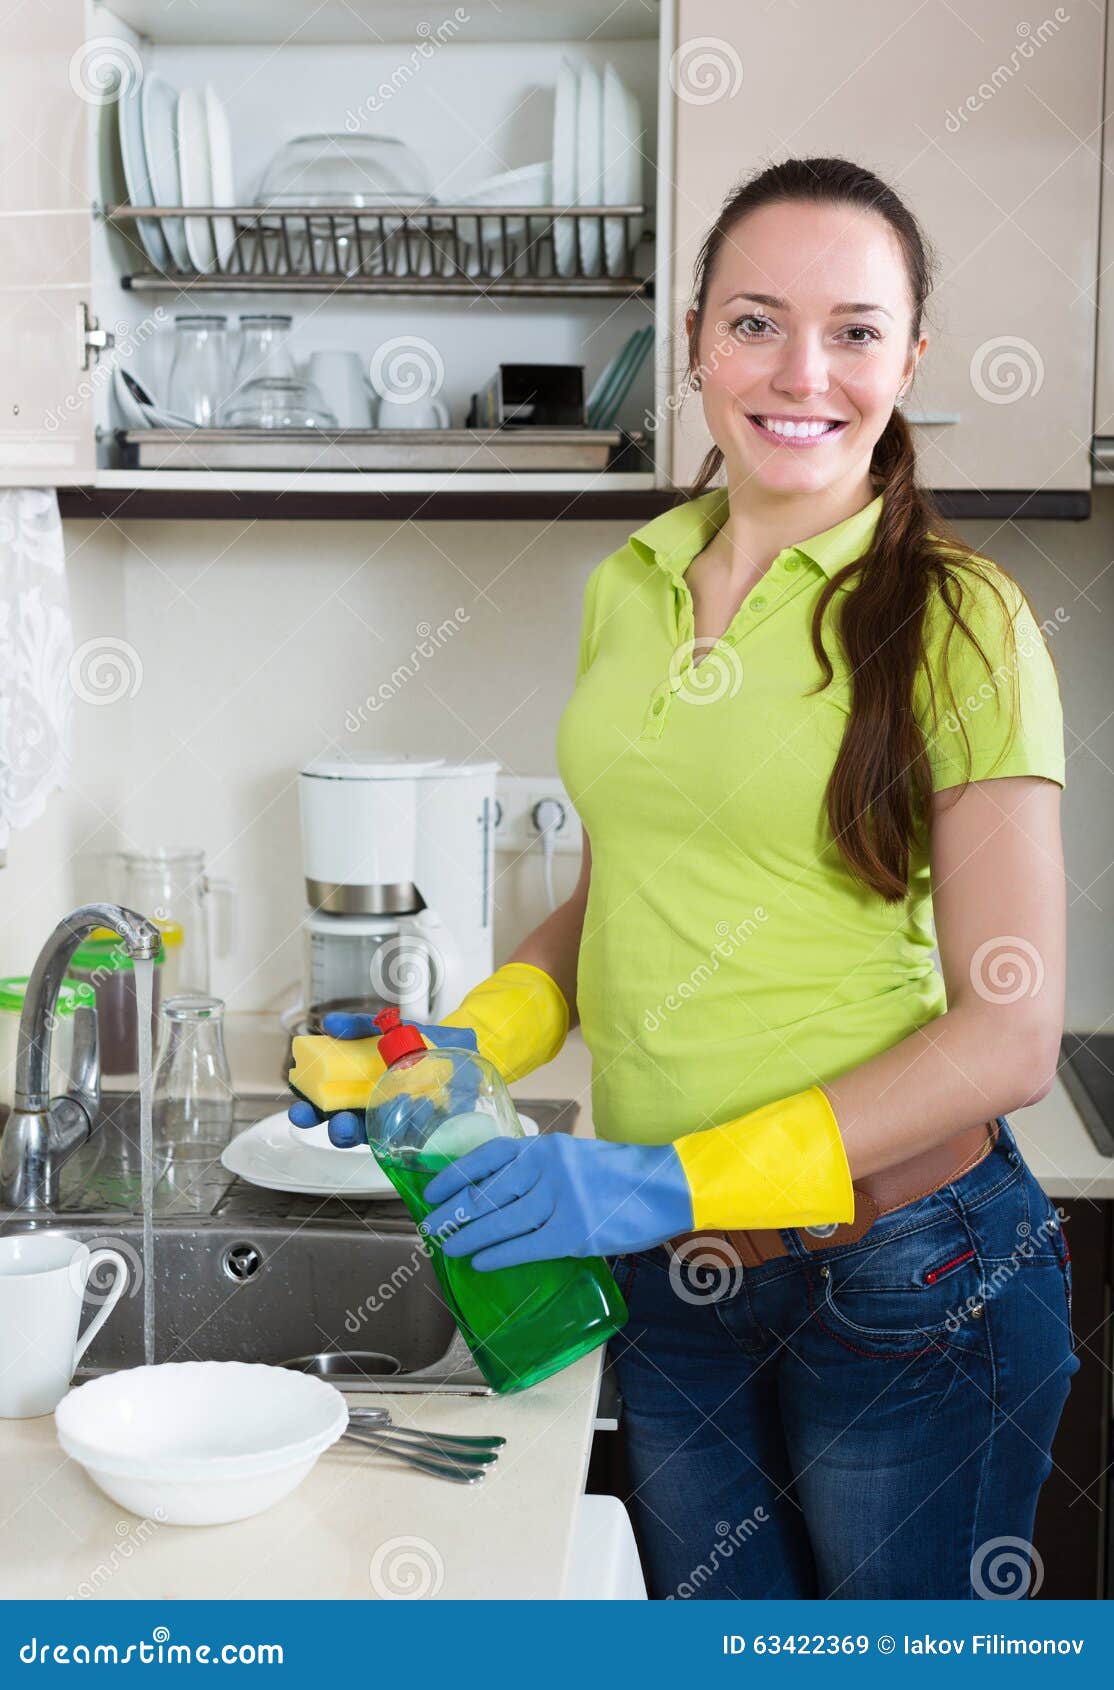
x: 910, y: 1297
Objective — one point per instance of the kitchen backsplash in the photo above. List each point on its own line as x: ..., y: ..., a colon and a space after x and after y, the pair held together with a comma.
x: 254, y: 646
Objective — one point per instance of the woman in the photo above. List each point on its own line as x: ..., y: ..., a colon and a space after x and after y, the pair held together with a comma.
x: 808, y: 725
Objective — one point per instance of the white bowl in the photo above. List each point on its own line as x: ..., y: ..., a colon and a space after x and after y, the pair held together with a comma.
x: 197, y: 1443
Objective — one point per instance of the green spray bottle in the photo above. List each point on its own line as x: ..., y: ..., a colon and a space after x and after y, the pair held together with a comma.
x: 429, y: 1107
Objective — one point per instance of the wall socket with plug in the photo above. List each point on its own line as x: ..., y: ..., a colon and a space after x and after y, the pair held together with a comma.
x: 515, y: 827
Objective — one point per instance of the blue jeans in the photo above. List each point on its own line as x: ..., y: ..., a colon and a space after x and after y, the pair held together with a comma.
x: 864, y: 1421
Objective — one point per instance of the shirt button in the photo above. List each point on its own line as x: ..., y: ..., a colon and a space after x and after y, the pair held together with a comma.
x: 758, y: 603
x: 792, y: 563
x: 658, y: 706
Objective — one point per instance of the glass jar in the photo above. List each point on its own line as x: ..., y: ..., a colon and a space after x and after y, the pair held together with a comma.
x: 72, y: 996
x: 194, y: 1104
x: 171, y: 885
x: 102, y: 963
x: 198, y: 378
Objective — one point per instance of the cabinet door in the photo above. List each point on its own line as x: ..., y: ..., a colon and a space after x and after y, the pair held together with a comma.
x: 986, y: 126
x: 1104, y: 373
x: 46, y: 424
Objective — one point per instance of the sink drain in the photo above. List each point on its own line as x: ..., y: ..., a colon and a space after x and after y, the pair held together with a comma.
x: 241, y: 1261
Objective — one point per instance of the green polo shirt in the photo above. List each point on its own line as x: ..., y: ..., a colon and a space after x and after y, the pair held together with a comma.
x: 729, y: 958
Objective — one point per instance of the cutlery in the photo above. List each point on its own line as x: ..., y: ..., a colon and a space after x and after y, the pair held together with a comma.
x: 443, y: 1467
x: 370, y: 1418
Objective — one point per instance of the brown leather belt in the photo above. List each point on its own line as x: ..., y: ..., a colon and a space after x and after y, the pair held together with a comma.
x: 878, y: 1195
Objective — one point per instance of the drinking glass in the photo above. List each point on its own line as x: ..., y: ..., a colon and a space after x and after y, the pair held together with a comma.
x: 194, y: 1101
x: 199, y: 368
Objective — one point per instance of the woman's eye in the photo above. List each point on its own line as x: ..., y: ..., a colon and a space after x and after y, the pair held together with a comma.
x: 747, y: 321
x: 864, y: 329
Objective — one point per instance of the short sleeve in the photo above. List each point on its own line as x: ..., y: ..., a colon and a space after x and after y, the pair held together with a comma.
x: 1008, y: 709
x: 587, y: 648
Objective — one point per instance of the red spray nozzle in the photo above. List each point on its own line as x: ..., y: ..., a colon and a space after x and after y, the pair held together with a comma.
x: 396, y: 1037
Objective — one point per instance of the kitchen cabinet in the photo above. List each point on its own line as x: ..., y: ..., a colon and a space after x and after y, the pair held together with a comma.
x: 1104, y: 349
x: 985, y: 124
x: 1073, y: 1526
x: 472, y: 95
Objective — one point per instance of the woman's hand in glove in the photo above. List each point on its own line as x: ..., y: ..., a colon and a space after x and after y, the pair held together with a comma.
x: 516, y: 1200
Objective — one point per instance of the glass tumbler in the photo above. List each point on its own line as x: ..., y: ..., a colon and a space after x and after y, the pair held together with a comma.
x: 198, y: 377
x: 194, y: 1101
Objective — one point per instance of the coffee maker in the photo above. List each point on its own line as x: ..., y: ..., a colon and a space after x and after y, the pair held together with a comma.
x: 398, y: 854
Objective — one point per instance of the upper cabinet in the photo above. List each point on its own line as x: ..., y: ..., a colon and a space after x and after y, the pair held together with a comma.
x: 987, y: 125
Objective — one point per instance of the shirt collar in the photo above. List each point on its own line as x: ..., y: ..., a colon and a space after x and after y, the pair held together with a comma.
x: 673, y: 539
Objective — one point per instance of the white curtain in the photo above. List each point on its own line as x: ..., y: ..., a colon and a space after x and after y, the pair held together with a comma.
x: 36, y: 644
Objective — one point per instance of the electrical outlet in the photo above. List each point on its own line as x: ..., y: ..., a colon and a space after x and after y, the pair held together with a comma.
x: 515, y: 829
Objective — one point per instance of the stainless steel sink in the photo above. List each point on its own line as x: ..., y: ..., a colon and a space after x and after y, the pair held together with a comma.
x: 245, y: 1274
x: 266, y: 1292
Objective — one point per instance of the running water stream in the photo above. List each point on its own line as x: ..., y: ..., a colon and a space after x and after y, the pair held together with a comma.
x: 144, y: 971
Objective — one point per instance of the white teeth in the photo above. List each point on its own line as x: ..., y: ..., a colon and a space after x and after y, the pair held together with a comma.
x: 796, y: 431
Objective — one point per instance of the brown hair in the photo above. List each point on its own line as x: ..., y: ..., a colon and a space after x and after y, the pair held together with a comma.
x: 880, y: 790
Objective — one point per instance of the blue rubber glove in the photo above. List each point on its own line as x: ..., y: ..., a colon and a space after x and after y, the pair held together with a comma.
x: 346, y: 1126
x: 515, y: 1200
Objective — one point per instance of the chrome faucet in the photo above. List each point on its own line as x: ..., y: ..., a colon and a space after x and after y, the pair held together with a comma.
x: 42, y: 1131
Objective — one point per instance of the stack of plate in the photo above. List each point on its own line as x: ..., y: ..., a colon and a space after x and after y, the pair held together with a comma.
x: 177, y: 150
x: 597, y: 160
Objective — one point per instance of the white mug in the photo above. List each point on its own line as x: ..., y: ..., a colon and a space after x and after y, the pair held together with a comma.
x: 43, y: 1279
x: 412, y: 413
x: 340, y: 379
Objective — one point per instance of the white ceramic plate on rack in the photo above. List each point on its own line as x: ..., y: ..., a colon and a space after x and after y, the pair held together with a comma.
x: 589, y: 165
x: 220, y: 167
x: 622, y: 169
x: 129, y: 117
x: 159, y: 107
x: 196, y: 174
x: 279, y: 1156
x: 564, y: 166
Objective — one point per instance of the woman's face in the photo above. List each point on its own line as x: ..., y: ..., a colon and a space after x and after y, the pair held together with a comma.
x: 808, y: 322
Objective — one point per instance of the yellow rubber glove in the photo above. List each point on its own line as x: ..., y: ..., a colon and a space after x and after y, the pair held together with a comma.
x: 518, y: 1014
x: 781, y: 1165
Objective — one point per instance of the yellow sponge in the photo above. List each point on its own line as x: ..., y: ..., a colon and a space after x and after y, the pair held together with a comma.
x: 335, y: 1073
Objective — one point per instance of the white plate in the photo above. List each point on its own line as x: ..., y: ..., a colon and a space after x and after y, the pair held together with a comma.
x: 197, y: 175
x: 279, y: 1156
x: 268, y: 1155
x: 136, y: 175
x: 220, y: 167
x: 564, y: 166
x: 589, y: 165
x: 622, y: 168
x: 159, y: 107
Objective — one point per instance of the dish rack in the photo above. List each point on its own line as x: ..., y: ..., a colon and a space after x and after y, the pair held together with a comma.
x: 439, y: 250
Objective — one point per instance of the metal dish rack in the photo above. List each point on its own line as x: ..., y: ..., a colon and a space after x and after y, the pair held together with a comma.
x: 437, y: 249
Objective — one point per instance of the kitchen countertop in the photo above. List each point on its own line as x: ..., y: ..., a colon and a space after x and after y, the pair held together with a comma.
x: 359, y: 1526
